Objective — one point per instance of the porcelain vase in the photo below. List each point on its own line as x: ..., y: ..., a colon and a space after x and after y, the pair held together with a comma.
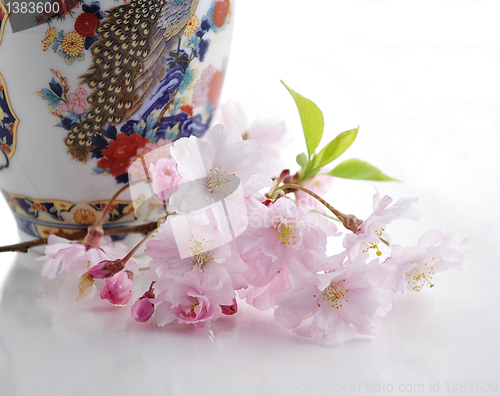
x: 89, y: 89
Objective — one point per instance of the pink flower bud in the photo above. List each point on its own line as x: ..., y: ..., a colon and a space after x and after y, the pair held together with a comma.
x: 106, y: 269
x: 117, y: 289
x: 284, y: 174
x: 230, y: 309
x: 143, y: 309
x: 351, y: 222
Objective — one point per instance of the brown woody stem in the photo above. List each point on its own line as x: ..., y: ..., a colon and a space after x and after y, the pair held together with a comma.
x: 80, y: 235
x: 314, y: 195
x: 136, y: 247
x: 350, y: 222
x: 108, y: 205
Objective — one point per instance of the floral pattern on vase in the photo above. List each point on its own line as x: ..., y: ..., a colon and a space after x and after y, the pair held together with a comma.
x: 42, y: 217
x: 8, y: 127
x: 71, y: 46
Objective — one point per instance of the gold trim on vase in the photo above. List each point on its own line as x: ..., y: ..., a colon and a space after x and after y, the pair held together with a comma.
x: 8, y: 127
x: 42, y: 217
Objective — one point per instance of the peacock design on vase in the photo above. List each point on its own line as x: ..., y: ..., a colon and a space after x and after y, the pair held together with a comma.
x: 142, y: 93
x: 128, y: 62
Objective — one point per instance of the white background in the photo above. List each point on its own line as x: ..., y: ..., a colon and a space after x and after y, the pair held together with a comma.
x: 421, y: 80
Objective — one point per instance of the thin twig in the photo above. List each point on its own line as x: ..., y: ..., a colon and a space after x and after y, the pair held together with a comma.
x: 136, y: 247
x: 314, y: 195
x: 80, y: 235
x: 350, y: 222
x: 110, y: 202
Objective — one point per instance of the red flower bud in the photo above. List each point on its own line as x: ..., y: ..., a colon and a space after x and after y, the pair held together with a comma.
x: 230, y: 309
x: 106, y: 269
x: 284, y: 174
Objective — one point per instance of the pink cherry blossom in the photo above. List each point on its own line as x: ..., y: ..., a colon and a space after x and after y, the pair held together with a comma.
x: 220, y: 154
x: 371, y: 230
x: 413, y: 268
x: 146, y: 157
x: 320, y: 185
x: 216, y: 266
x: 188, y: 300
x: 70, y: 255
x: 263, y: 289
x: 220, y: 171
x: 270, y: 131
x: 165, y: 177
x: 74, y: 257
x: 286, y: 235
x: 231, y: 114
x: 76, y: 102
x: 334, y: 307
x: 117, y: 289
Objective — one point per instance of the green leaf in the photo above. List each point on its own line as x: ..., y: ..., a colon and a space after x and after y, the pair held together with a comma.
x: 312, y: 119
x: 335, y: 148
x: 359, y: 170
x: 302, y: 160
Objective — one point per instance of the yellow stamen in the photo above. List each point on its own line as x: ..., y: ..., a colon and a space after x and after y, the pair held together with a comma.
x: 334, y: 294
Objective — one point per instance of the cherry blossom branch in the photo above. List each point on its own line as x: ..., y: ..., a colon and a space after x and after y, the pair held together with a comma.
x: 321, y: 213
x: 350, y: 222
x: 136, y: 247
x: 334, y: 219
x: 80, y: 235
x: 108, y: 268
x: 110, y: 202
